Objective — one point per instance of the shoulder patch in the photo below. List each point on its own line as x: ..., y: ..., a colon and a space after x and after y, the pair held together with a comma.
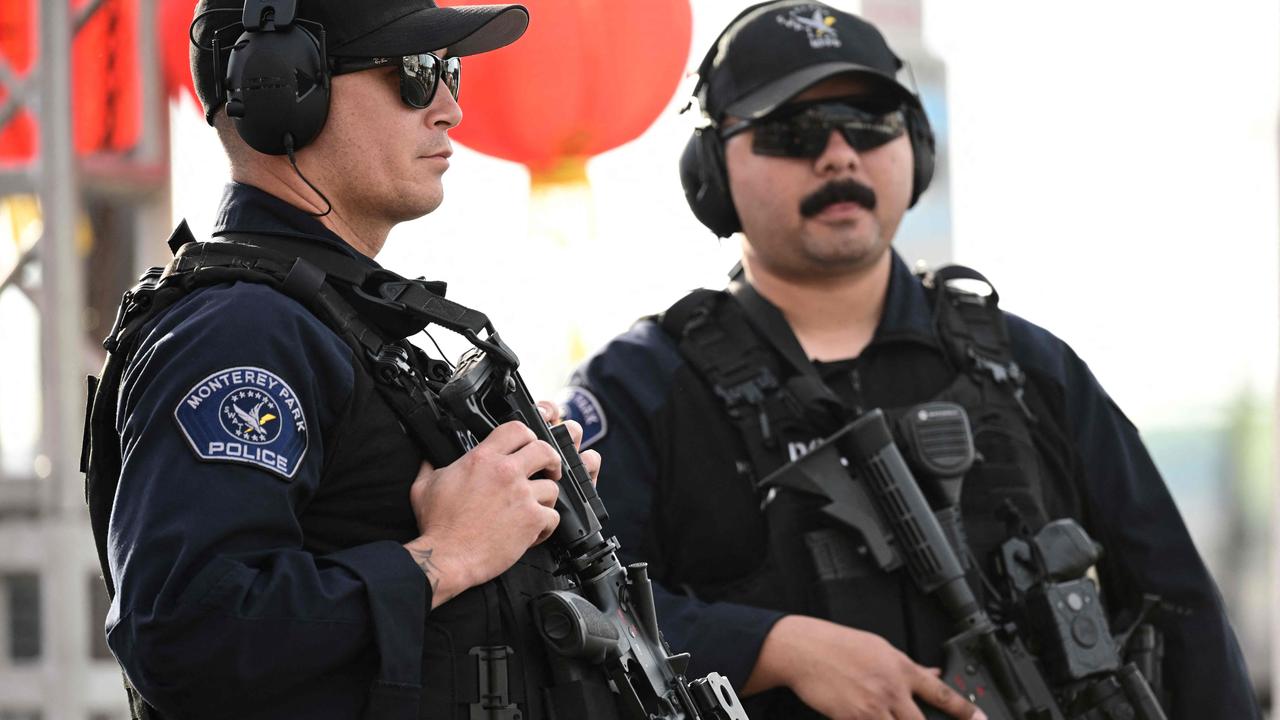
x: 581, y: 406
x: 245, y: 415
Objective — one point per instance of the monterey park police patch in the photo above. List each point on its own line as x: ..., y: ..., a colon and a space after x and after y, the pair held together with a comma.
x: 580, y: 405
x: 246, y: 415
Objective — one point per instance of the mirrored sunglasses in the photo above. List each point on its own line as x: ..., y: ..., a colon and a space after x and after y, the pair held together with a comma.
x: 801, y: 130
x: 420, y: 74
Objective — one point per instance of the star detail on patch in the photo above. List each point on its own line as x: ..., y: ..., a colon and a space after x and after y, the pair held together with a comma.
x: 245, y: 415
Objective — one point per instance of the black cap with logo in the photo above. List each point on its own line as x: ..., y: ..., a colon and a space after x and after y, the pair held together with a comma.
x: 364, y: 29
x: 775, y: 50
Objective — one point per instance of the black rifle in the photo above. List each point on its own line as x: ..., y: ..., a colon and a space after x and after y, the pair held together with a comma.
x: 608, y: 617
x: 991, y: 665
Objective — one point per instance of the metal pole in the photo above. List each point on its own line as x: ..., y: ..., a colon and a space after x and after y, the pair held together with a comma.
x: 1274, y: 554
x: 64, y: 597
x: 61, y: 284
x: 1274, y: 565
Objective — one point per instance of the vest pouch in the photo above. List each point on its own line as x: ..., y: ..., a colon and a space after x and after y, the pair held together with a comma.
x: 449, y: 678
x: 789, y: 585
x: 589, y: 697
x: 476, y: 661
x: 817, y: 567
x: 781, y: 579
x: 1009, y: 467
x: 1010, y: 472
x: 569, y: 687
x: 986, y: 529
x: 850, y: 589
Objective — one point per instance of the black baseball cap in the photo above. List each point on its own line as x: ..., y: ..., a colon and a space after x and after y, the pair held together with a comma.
x: 363, y: 29
x: 775, y: 50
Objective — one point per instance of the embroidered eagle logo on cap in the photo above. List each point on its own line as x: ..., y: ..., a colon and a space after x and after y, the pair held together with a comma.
x: 815, y: 23
x: 245, y: 415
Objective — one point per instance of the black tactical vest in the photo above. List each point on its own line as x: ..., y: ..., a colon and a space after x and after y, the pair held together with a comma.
x: 482, y: 655
x: 742, y: 348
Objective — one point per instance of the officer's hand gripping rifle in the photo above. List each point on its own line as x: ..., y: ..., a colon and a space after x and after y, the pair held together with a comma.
x: 990, y: 665
x: 608, y: 618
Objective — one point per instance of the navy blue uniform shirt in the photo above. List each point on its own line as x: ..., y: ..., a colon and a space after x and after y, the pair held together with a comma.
x: 679, y: 503
x: 256, y: 538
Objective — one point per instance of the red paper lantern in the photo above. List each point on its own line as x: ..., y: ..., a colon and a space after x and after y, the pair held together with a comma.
x: 589, y: 75
x: 105, y: 92
x: 173, y: 26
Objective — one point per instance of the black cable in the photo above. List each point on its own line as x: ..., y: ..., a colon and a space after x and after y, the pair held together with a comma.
x: 443, y: 357
x: 288, y: 148
x: 191, y: 29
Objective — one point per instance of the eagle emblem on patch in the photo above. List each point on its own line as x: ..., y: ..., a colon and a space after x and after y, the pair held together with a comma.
x: 245, y: 415
x: 580, y: 405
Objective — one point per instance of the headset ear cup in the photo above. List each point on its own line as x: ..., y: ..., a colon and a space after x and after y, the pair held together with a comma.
x: 923, y: 151
x: 706, y: 183
x: 277, y: 88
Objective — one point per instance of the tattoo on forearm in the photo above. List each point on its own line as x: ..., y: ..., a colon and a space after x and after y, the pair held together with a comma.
x: 429, y: 567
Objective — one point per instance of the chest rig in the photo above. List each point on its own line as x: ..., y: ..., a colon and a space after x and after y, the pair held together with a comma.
x: 744, y: 350
x: 483, y: 660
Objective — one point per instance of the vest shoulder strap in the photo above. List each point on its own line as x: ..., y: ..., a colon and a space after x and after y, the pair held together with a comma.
x: 743, y: 348
x: 726, y: 354
x: 974, y: 332
x: 749, y: 377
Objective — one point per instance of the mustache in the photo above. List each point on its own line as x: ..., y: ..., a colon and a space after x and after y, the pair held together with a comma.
x: 838, y: 191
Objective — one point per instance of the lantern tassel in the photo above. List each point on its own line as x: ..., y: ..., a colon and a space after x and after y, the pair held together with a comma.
x: 560, y: 203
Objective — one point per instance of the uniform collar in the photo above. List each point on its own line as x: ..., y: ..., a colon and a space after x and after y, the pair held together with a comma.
x: 908, y: 314
x: 246, y: 209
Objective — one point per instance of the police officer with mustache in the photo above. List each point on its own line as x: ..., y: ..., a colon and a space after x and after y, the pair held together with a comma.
x: 814, y: 151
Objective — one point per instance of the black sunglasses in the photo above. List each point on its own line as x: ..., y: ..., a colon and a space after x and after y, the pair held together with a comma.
x: 419, y: 74
x: 801, y: 130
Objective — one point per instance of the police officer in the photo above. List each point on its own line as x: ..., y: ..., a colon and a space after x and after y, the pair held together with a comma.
x: 280, y: 544
x: 814, y: 151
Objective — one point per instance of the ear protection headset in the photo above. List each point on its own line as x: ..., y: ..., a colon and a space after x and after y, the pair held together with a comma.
x: 705, y: 177
x: 276, y: 82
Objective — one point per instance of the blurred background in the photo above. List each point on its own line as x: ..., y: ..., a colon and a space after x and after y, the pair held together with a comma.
x: 1111, y: 166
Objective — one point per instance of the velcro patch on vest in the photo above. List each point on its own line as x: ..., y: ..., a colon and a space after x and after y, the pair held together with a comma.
x: 583, y: 407
x: 246, y: 415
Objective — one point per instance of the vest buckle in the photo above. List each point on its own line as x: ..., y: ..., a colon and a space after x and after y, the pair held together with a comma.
x: 1000, y: 372
x: 1004, y: 373
x: 751, y: 391
x: 136, y: 298
x: 391, y: 362
x: 492, y: 684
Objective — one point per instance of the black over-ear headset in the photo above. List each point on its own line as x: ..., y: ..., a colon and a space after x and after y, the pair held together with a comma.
x: 705, y: 177
x: 276, y: 82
